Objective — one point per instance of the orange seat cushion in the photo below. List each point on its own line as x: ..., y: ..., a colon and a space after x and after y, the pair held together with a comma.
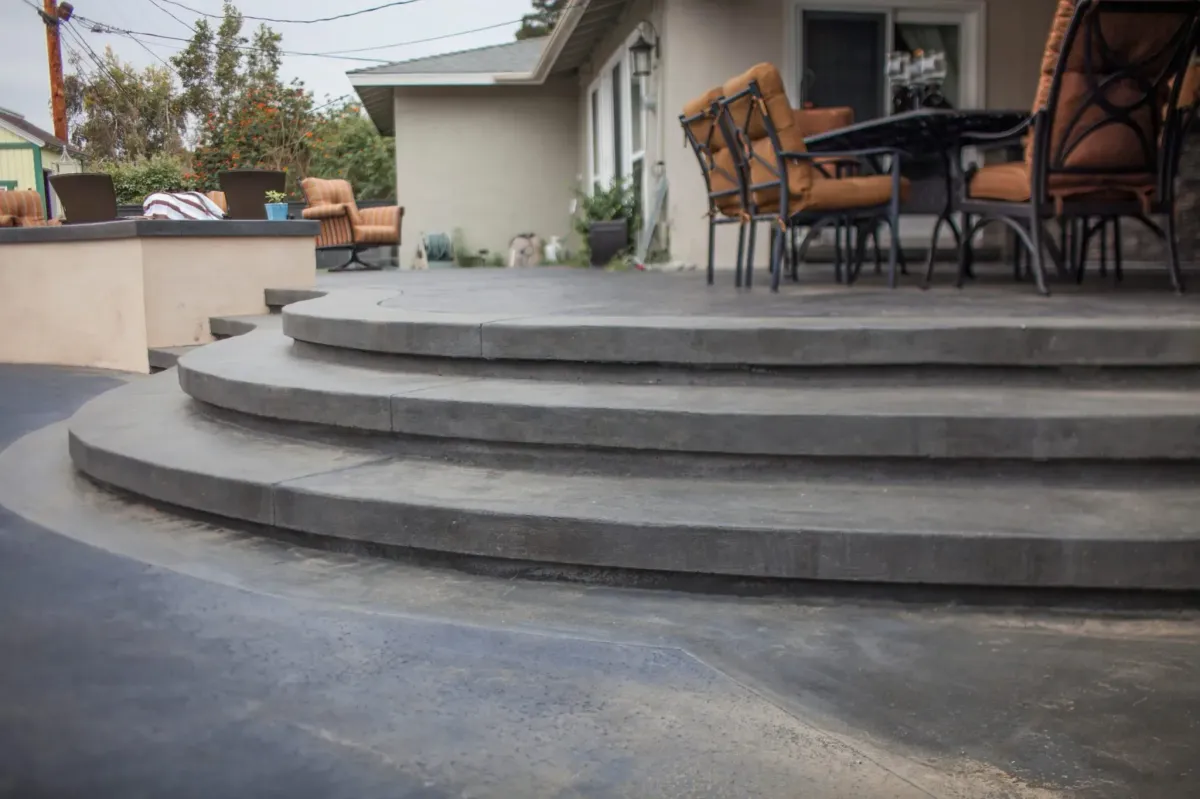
x: 376, y: 234
x: 1008, y: 182
x: 843, y: 194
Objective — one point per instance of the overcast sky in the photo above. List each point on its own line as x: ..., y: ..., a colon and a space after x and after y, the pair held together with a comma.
x: 24, y: 76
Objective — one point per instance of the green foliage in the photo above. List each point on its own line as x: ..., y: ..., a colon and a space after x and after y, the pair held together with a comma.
x: 134, y: 180
x: 618, y: 201
x: 346, y: 145
x: 464, y: 256
x: 123, y: 113
x: 276, y: 197
x: 541, y: 22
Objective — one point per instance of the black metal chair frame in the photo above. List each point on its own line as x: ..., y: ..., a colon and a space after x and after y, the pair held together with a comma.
x: 1026, y: 219
x: 863, y: 219
x: 704, y: 155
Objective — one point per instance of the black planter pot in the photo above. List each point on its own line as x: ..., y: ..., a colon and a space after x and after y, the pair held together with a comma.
x: 606, y: 239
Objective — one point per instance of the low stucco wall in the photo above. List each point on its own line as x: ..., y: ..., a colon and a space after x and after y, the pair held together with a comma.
x: 101, y: 295
x: 189, y: 280
x: 73, y: 304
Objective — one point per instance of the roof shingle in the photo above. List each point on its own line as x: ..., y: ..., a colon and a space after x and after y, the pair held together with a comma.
x: 518, y: 56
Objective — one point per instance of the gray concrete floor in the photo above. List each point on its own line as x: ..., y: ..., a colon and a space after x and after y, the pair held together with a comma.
x: 148, y: 655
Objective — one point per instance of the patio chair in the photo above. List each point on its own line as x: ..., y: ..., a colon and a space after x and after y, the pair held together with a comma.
x: 86, y: 197
x: 1100, y: 140
x: 23, y: 208
x: 218, y: 199
x: 346, y: 227
x: 726, y: 204
x: 780, y: 175
x: 244, y: 191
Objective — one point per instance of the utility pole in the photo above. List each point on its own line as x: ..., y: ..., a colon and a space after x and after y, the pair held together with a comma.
x: 54, y: 15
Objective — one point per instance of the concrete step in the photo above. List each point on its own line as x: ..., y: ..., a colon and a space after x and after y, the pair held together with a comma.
x: 163, y: 358
x: 259, y: 374
x: 966, y: 528
x: 223, y: 327
x: 935, y: 332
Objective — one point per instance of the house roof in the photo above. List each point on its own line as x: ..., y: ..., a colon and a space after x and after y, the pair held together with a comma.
x: 529, y: 62
x: 519, y: 56
x: 22, y: 127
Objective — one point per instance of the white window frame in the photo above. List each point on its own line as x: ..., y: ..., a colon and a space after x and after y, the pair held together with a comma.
x: 602, y: 85
x: 970, y: 14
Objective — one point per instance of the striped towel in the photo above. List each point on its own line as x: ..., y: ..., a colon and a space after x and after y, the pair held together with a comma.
x: 180, y: 205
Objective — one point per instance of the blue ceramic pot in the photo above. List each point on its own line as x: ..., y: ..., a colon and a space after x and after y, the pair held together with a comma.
x: 277, y: 212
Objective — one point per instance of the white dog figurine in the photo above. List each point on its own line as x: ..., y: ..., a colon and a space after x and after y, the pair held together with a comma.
x: 554, y: 250
x: 420, y: 262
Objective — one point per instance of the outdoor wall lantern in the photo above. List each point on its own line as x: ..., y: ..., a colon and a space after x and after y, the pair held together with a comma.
x: 641, y: 50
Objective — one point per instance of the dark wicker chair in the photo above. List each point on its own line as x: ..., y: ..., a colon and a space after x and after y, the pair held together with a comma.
x: 1101, y: 142
x: 86, y: 197
x: 245, y: 191
x: 788, y: 186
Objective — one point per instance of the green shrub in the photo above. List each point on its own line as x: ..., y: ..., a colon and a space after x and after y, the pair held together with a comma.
x: 134, y: 181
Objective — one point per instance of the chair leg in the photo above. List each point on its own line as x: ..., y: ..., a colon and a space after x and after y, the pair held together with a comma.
x: 1036, y: 232
x: 876, y: 248
x: 1173, y: 252
x: 1104, y: 247
x: 895, y: 256
x: 837, y: 252
x: 1017, y: 250
x: 1117, y: 256
x: 749, y: 273
x: 778, y: 246
x: 741, y: 254
x: 933, y: 241
x: 794, y: 244
x: 712, y: 246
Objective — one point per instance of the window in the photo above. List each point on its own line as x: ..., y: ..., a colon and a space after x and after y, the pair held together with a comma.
x: 617, y: 127
x: 837, y: 56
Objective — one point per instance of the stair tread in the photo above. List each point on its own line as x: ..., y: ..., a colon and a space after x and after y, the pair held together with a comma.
x: 979, y: 505
x: 265, y: 358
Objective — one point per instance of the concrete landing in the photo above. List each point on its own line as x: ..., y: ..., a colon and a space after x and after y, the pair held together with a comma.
x: 941, y: 528
x: 581, y: 316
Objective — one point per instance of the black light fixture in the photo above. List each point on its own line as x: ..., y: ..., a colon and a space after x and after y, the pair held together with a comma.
x: 641, y: 51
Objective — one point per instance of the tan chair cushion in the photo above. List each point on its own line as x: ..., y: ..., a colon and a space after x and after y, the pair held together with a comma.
x: 386, y: 215
x: 1189, y: 93
x: 814, y: 121
x: 770, y: 83
x: 318, y: 191
x: 704, y: 127
x: 8, y: 220
x: 1008, y: 182
x: 376, y: 234
x: 23, y: 204
x: 218, y: 199
x: 763, y: 168
x: 724, y: 177
x: 843, y: 194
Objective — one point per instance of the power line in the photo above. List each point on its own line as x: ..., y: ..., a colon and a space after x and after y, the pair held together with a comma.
x: 298, y: 21
x: 172, y: 16
x: 427, y: 39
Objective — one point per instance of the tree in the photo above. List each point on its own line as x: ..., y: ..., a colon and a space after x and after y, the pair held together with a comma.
x: 345, y: 144
x: 541, y: 22
x: 119, y: 113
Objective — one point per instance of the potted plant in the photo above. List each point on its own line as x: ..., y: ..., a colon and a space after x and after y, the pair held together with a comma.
x: 277, y: 207
x: 609, y: 220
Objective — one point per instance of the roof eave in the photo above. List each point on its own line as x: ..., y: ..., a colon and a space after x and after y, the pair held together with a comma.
x: 438, y: 79
x: 558, y: 40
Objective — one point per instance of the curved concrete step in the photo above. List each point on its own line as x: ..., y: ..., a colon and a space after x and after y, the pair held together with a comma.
x: 150, y: 439
x: 387, y: 322
x: 259, y: 374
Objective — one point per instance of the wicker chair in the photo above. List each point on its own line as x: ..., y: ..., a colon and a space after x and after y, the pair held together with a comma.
x: 23, y: 208
x: 1099, y: 143
x: 344, y: 225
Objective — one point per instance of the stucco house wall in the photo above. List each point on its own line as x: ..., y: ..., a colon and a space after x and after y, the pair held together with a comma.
x: 494, y: 161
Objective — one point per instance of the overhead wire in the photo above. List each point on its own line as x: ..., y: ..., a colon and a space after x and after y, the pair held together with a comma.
x: 360, y: 12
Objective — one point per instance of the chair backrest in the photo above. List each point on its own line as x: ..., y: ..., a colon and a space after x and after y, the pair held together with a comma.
x: 23, y: 204
x: 319, y: 191
x: 245, y: 191
x: 759, y: 124
x: 218, y: 199
x: 702, y: 131
x: 86, y: 196
x: 1105, y: 107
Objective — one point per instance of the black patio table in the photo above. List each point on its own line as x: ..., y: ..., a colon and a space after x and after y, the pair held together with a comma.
x: 930, y: 139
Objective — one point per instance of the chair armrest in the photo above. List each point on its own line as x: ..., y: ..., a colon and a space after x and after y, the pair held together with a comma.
x: 991, y: 141
x: 856, y: 155
x: 328, y: 211
x: 8, y: 220
x: 389, y: 215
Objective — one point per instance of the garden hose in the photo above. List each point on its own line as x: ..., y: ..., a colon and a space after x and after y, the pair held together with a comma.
x: 438, y: 248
